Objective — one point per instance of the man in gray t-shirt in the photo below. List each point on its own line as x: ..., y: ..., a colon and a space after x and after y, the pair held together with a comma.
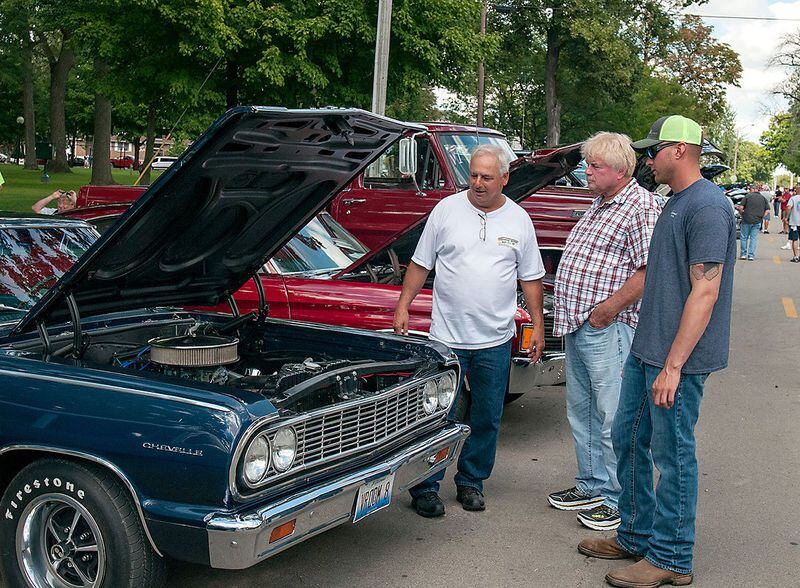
x: 682, y: 336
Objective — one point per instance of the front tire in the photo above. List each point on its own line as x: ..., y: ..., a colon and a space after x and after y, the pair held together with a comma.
x: 68, y: 525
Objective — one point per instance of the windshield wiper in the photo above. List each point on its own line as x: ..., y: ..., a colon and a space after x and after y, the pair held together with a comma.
x: 12, y: 308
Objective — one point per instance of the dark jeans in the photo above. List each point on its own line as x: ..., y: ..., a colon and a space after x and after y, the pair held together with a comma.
x: 776, y: 205
x: 658, y: 525
x: 488, y: 371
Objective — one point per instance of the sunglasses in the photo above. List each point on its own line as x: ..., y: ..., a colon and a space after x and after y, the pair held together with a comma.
x: 653, y: 150
x: 482, y: 232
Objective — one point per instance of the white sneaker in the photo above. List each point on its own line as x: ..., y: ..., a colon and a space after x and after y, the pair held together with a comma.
x: 787, y: 246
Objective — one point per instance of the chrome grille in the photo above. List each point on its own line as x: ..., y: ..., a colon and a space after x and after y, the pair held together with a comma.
x: 551, y: 343
x: 335, y: 433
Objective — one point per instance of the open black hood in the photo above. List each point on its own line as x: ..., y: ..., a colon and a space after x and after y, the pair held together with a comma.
x: 243, y: 189
x: 527, y: 175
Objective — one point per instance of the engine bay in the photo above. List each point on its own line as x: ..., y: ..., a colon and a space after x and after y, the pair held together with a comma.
x: 294, y: 369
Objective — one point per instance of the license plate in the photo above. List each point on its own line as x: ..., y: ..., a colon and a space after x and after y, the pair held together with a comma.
x: 373, y: 496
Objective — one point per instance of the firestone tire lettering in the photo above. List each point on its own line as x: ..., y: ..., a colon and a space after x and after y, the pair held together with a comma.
x: 130, y: 560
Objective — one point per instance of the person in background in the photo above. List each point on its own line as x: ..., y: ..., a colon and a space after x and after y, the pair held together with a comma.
x: 776, y: 203
x: 66, y: 201
x: 753, y: 208
x: 767, y: 196
x: 793, y: 216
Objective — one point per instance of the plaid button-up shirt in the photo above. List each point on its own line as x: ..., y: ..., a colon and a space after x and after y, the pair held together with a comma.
x: 605, y: 248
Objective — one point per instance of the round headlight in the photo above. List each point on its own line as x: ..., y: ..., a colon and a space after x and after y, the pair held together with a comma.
x: 256, y: 459
x: 284, y: 448
x: 447, y: 389
x: 429, y: 402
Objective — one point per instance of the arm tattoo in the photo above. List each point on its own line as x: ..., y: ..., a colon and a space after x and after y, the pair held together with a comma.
x: 709, y: 271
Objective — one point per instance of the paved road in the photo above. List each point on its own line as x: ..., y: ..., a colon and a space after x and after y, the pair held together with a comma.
x: 749, y: 511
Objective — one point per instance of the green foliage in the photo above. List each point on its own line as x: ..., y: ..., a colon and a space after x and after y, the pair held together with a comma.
x: 782, y: 139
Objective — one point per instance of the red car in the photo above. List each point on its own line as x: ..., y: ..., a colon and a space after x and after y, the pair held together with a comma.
x: 385, y: 199
x: 124, y: 162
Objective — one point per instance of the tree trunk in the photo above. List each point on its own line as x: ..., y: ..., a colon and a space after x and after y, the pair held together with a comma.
x: 101, y: 166
x: 137, y: 150
x: 150, y: 144
x: 28, y: 110
x: 59, y: 72
x: 551, y: 101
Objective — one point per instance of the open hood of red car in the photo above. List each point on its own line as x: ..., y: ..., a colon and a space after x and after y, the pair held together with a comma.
x: 527, y: 175
x: 238, y: 193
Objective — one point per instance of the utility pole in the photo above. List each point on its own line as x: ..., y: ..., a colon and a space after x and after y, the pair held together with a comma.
x: 381, y: 72
x: 481, y: 70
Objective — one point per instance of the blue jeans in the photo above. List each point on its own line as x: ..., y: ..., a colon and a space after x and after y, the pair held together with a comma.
x: 748, y: 239
x: 488, y: 371
x: 658, y: 525
x: 594, y: 373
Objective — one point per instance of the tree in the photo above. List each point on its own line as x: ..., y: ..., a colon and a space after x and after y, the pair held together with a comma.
x: 697, y: 62
x: 782, y: 140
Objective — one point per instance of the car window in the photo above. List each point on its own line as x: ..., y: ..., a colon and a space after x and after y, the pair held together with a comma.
x: 384, y: 172
x: 458, y: 148
x: 32, y: 260
x: 322, y: 246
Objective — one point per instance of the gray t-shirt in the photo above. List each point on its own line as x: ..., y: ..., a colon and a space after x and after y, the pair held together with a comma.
x: 755, y: 205
x: 794, y: 212
x: 695, y: 226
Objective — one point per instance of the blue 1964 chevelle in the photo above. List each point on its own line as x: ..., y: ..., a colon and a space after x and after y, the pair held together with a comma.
x: 130, y: 430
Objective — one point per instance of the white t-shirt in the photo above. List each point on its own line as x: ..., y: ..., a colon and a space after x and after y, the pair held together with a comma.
x: 475, y: 288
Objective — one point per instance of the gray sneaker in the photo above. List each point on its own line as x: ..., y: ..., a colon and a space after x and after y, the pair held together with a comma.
x: 572, y: 499
x: 602, y: 518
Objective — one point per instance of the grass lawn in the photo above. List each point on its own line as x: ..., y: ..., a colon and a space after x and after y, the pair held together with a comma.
x: 23, y: 187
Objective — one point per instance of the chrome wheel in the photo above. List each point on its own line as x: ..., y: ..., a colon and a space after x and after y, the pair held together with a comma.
x: 59, y: 544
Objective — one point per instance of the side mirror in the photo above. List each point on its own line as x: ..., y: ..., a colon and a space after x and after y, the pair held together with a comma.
x: 408, y: 156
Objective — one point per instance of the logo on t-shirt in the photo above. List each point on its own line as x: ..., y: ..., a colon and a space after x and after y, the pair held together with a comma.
x: 507, y: 242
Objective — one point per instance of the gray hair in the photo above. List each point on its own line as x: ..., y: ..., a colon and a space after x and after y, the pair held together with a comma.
x: 612, y: 148
x: 500, y: 154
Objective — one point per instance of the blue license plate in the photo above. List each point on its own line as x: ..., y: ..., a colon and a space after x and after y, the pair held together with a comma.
x: 373, y: 496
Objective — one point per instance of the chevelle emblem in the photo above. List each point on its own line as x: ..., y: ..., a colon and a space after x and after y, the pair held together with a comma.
x: 173, y: 449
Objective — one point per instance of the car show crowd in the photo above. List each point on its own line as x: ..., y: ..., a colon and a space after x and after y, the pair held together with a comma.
x: 643, y: 296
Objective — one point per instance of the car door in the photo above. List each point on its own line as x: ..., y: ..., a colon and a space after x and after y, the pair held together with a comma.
x: 382, y: 201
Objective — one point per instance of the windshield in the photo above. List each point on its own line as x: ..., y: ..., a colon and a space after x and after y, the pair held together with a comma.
x: 322, y: 246
x: 458, y: 147
x: 32, y: 260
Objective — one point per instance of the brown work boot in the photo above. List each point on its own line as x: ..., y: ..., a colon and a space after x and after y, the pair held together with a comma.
x: 643, y: 574
x: 604, y: 548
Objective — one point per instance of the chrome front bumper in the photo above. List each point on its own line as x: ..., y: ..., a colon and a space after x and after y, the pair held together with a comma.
x: 525, y: 376
x: 240, y: 541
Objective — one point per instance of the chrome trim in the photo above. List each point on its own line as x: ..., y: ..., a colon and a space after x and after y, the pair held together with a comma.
x: 240, y: 540
x: 525, y: 376
x: 99, y: 386
x: 99, y: 460
x: 397, y: 389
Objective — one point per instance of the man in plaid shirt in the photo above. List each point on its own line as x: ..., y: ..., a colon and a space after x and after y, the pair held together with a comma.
x: 599, y: 283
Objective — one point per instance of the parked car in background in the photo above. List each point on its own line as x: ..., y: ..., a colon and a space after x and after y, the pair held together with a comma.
x: 77, y: 161
x: 125, y: 162
x: 383, y: 200
x: 162, y: 162
x: 133, y: 430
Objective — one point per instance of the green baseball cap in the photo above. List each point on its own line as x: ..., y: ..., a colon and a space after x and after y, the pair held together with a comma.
x: 674, y: 129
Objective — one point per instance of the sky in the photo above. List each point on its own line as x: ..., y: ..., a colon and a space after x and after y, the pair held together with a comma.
x: 756, y: 42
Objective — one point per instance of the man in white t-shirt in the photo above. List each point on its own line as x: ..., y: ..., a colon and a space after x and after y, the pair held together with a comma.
x: 480, y: 244
x: 793, y: 214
